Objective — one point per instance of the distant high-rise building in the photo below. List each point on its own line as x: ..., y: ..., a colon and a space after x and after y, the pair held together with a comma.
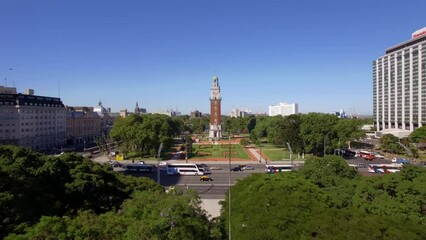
x: 283, y: 109
x: 341, y: 114
x: 215, y: 131
x: 399, y: 86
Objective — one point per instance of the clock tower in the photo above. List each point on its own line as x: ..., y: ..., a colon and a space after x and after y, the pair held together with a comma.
x: 215, y: 132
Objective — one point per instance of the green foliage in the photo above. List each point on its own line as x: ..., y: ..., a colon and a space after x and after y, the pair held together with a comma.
x: 34, y: 185
x: 198, y: 125
x: 328, y: 200
x: 389, y: 143
x: 349, y: 129
x: 317, y: 129
x: 244, y: 142
x: 327, y: 171
x: 145, y: 133
x: 148, y: 215
x: 418, y: 135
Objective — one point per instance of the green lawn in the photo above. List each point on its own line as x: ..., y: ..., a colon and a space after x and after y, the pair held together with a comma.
x: 277, y: 153
x: 218, y: 151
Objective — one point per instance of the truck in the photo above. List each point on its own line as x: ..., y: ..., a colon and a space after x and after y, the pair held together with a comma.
x: 401, y: 161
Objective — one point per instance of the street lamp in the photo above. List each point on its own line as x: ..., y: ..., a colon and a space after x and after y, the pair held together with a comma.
x: 229, y: 194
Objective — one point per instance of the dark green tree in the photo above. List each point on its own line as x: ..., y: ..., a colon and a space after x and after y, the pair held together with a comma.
x: 389, y: 143
x: 318, y: 131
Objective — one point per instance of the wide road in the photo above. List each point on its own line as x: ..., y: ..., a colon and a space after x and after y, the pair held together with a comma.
x: 206, y: 189
x: 217, y: 188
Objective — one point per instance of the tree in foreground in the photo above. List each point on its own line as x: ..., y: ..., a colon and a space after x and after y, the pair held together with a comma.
x: 156, y: 215
x: 327, y: 200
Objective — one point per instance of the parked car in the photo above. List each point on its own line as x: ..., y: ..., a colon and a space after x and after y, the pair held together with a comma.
x: 206, y: 179
x: 141, y: 162
x: 236, y: 169
x: 248, y: 168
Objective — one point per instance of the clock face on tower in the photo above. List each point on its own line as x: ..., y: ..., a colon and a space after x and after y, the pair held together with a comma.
x: 215, y: 94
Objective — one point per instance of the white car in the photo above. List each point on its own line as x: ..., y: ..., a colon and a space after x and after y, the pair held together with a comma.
x: 377, y: 155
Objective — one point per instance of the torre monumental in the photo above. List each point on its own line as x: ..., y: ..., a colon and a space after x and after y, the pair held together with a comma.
x: 215, y: 132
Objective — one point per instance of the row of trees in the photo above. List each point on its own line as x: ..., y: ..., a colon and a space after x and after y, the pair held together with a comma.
x: 70, y: 197
x: 305, y: 132
x: 144, y: 134
x: 327, y: 199
x: 309, y: 133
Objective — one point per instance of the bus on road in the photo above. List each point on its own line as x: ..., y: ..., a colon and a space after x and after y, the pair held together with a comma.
x: 384, y: 168
x: 278, y: 168
x: 140, y: 167
x: 184, y: 169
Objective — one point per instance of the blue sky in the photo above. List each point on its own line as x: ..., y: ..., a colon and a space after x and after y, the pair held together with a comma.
x: 164, y: 54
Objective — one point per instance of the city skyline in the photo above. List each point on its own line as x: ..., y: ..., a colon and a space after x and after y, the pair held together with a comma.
x: 163, y: 54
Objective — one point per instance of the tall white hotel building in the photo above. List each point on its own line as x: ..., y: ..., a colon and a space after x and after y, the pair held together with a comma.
x: 399, y: 87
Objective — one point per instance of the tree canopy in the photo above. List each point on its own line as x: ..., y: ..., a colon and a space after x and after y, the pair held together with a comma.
x: 324, y: 194
x: 70, y: 197
x: 145, y: 133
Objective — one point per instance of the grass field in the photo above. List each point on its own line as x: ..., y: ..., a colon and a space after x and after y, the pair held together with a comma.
x: 217, y: 151
x: 276, y: 153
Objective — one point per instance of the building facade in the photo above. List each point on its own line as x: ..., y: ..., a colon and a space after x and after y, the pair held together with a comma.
x: 138, y: 110
x: 83, y: 125
x: 215, y: 131
x: 32, y: 121
x: 399, y: 86
x: 196, y: 114
x: 236, y: 113
x: 283, y: 109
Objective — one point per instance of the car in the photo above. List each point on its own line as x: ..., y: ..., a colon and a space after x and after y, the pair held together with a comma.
x: 141, y: 162
x: 378, y: 155
x: 116, y: 164
x: 202, y: 165
x: 236, y: 169
x: 162, y: 164
x: 206, y: 179
x: 248, y: 168
x: 215, y: 168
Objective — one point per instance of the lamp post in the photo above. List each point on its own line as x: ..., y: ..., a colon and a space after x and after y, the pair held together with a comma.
x: 324, y: 143
x: 229, y: 194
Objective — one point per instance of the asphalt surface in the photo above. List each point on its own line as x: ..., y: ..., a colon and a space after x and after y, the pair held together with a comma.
x: 218, y: 188
x: 215, y: 189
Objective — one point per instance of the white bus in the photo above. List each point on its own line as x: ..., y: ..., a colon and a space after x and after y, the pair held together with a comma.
x: 183, y: 169
x: 278, y: 168
x: 384, y: 168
